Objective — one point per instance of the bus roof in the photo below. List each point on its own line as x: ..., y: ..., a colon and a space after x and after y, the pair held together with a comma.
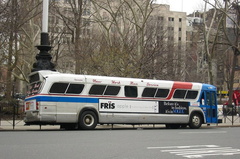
x: 93, y: 79
x: 208, y: 87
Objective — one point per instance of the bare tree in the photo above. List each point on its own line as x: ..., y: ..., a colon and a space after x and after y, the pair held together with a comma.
x: 233, y: 42
x: 231, y: 17
x: 123, y: 26
x: 16, y: 15
x: 212, y: 21
x: 75, y: 16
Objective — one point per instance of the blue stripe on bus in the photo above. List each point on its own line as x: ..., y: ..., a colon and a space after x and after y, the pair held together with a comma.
x: 64, y: 99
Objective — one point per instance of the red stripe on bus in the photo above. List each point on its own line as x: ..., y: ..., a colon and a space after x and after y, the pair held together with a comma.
x: 182, y: 85
x: 179, y: 85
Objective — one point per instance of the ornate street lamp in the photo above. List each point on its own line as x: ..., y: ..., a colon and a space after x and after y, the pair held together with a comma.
x: 44, y: 58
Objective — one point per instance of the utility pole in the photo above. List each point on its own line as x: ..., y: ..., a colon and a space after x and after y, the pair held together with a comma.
x: 44, y: 58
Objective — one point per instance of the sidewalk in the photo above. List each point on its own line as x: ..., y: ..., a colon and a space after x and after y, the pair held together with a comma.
x: 19, y: 125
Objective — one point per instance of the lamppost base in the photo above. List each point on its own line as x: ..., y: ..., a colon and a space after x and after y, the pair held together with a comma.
x: 44, y: 58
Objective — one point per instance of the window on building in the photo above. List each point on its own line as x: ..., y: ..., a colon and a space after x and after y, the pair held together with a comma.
x: 57, y: 20
x: 179, y: 47
x: 51, y: 19
x: 85, y: 2
x: 236, y: 81
x: 170, y: 38
x: 66, y: 1
x: 105, y: 16
x: 86, y: 12
x: 86, y: 22
x: 171, y: 19
x: 160, y: 18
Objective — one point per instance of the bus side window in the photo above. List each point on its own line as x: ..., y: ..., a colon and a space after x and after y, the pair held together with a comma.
x: 97, y: 89
x: 202, y: 101
x: 75, y: 89
x: 162, y: 93
x: 58, y: 88
x: 179, y: 94
x: 149, y: 92
x: 130, y: 91
x: 112, y: 90
x: 191, y: 94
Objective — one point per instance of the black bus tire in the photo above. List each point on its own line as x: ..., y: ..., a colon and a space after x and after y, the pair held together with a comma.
x: 87, y: 120
x: 195, y: 121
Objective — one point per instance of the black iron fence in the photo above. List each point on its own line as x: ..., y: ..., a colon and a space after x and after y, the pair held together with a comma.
x: 229, y: 114
x: 11, y: 111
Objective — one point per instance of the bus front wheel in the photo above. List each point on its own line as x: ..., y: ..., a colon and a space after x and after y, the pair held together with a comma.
x: 87, y: 120
x: 196, y: 121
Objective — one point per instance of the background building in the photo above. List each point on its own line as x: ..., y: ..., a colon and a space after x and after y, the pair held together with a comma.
x: 156, y: 39
x: 117, y: 38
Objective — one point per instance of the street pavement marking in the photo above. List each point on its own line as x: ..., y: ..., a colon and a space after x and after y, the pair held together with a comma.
x: 205, y: 132
x: 198, y: 151
x: 182, y: 147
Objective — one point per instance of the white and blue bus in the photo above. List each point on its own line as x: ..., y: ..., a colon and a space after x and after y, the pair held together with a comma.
x: 83, y: 101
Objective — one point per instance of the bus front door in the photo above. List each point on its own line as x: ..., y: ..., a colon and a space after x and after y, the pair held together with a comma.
x: 211, y: 106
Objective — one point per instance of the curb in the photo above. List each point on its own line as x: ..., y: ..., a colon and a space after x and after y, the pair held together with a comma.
x: 99, y: 127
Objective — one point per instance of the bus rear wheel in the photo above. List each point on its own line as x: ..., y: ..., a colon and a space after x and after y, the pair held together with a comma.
x: 87, y: 120
x: 196, y: 121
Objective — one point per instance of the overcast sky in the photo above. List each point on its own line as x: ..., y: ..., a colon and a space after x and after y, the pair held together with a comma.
x: 184, y: 5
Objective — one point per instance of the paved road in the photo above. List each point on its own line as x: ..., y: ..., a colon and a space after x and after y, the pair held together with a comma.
x: 207, y: 142
x: 19, y: 124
